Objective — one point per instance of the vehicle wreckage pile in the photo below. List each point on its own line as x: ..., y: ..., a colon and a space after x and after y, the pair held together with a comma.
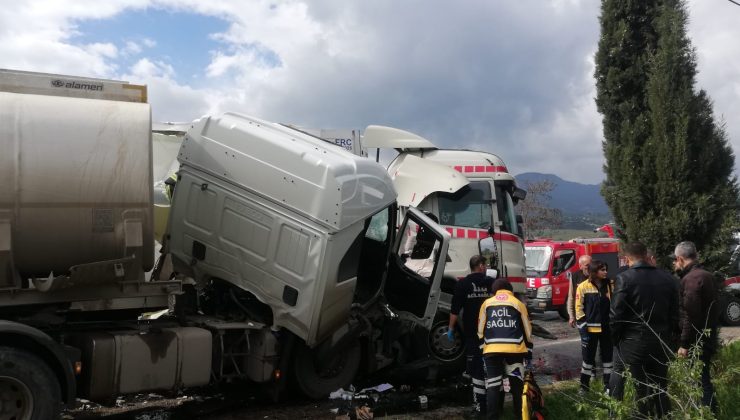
x: 284, y: 259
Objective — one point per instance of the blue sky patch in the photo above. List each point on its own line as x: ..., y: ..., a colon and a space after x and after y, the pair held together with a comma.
x: 183, y: 40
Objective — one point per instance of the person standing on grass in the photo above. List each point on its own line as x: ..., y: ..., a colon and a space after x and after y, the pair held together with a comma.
x: 699, y: 314
x: 643, y: 320
x: 592, y: 318
x: 503, y: 324
x: 575, y: 279
x: 469, y: 295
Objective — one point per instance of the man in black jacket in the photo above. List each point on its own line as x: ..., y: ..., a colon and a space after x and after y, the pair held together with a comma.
x: 699, y: 313
x: 469, y: 295
x: 643, y: 318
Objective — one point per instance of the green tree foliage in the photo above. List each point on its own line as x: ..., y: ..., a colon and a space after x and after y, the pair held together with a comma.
x: 669, y: 167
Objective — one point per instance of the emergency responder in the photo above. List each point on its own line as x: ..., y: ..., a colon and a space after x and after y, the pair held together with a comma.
x: 469, y: 295
x: 592, y: 318
x: 575, y: 279
x: 503, y: 324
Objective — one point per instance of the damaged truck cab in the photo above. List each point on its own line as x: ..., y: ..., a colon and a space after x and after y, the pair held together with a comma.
x: 287, y: 264
x: 471, y: 192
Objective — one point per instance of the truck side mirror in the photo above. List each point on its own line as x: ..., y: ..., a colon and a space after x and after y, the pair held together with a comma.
x: 518, y: 195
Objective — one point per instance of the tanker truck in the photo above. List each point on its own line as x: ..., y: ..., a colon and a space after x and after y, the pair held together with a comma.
x: 286, y: 258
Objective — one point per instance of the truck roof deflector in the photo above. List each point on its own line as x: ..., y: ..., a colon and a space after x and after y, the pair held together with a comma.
x: 415, y: 178
x: 393, y: 138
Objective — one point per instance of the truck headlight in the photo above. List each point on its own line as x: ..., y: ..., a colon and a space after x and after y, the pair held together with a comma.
x: 544, y: 292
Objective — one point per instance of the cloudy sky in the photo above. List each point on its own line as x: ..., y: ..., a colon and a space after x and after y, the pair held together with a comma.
x: 511, y: 77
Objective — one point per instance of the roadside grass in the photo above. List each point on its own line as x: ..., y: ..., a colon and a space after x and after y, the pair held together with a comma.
x: 563, y: 402
x: 561, y: 399
x: 727, y: 381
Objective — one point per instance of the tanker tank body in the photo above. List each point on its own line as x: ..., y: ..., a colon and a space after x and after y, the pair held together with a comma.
x: 76, y: 197
x: 76, y: 238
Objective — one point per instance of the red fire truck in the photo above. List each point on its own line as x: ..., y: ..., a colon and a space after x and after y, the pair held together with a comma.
x: 550, y: 265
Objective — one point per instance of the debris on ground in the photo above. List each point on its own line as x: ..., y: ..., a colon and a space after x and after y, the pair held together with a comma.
x: 364, y: 413
x: 341, y: 394
x: 378, y: 388
x: 423, y: 400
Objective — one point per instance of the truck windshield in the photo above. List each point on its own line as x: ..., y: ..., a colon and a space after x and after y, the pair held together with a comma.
x: 538, y: 260
x: 469, y: 207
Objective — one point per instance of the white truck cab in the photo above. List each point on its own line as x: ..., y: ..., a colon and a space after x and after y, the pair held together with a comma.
x: 469, y: 191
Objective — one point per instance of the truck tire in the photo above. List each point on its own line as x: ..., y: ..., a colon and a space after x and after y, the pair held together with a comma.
x: 316, y: 383
x: 433, y: 343
x: 29, y: 390
x: 439, y: 345
x: 730, y: 306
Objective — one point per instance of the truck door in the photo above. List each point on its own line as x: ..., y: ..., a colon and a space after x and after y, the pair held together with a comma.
x: 563, y: 265
x: 415, y: 269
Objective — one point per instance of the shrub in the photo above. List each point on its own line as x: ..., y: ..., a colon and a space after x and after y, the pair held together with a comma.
x: 684, y: 391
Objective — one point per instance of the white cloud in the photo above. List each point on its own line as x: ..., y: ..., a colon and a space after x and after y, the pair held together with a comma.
x: 106, y: 50
x: 35, y: 35
x: 513, y: 78
x: 145, y: 69
x: 132, y: 48
x: 715, y: 34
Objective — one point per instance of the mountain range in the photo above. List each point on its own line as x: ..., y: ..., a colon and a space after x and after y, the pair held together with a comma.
x: 572, y: 198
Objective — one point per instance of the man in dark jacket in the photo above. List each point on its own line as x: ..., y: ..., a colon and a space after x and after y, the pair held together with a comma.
x: 469, y: 295
x: 699, y: 313
x: 644, y: 316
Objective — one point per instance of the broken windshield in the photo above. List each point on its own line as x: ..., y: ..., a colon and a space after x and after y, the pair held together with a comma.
x: 469, y: 207
x: 538, y: 260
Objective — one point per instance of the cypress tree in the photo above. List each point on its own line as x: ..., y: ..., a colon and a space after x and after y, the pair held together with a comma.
x: 668, y: 163
x: 627, y: 41
x: 669, y: 167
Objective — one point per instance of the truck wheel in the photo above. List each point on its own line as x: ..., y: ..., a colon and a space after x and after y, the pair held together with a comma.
x: 317, y: 383
x: 563, y: 312
x: 29, y: 390
x: 731, y: 311
x: 433, y: 343
x: 440, y: 346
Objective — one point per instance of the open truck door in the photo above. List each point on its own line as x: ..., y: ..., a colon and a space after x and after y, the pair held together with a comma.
x: 415, y: 270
